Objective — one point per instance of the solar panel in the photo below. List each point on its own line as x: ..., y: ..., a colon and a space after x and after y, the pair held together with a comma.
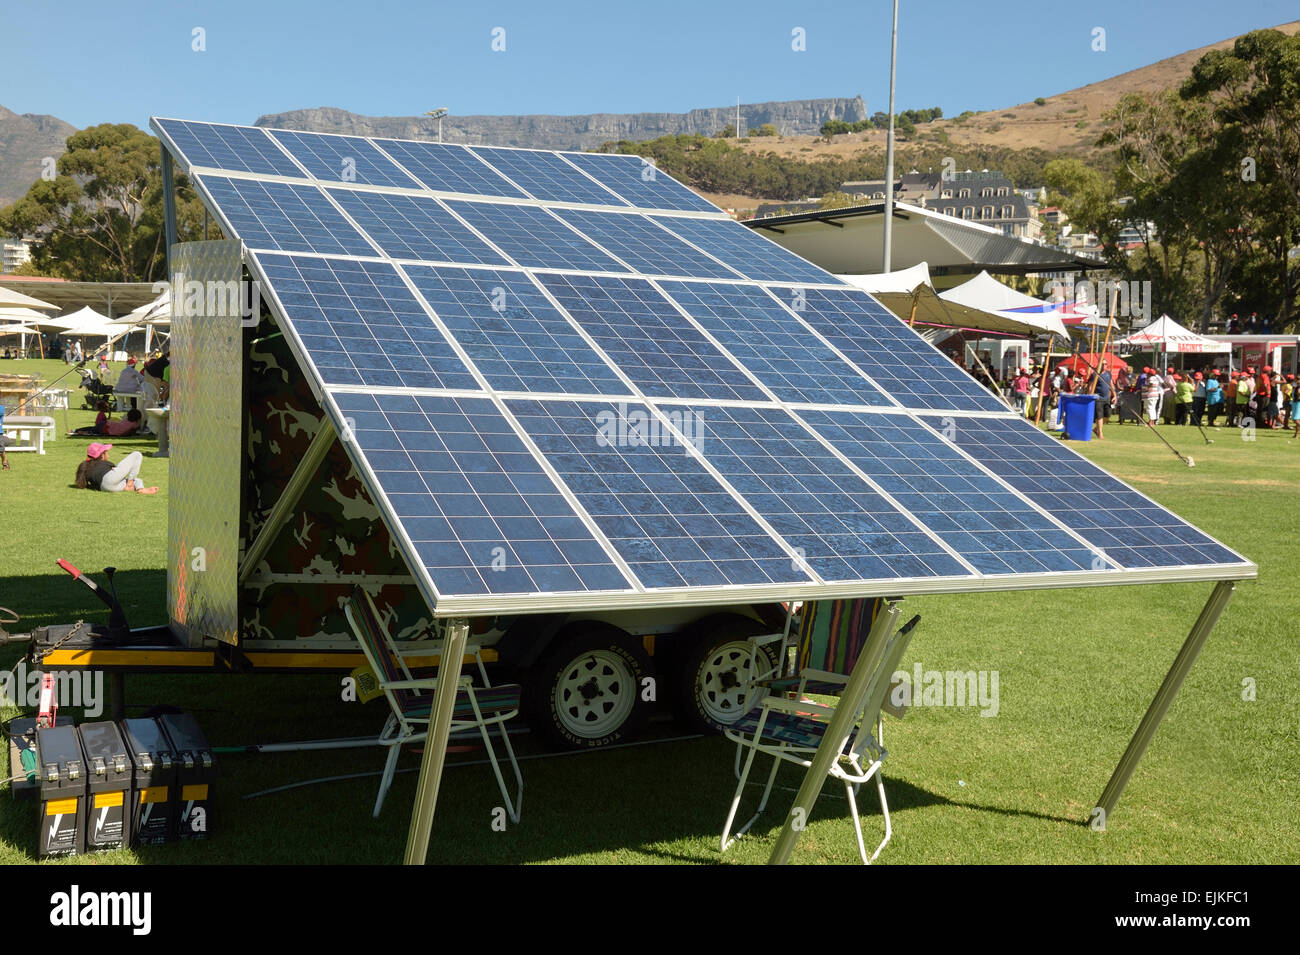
x: 233, y: 148
x: 844, y: 528
x: 767, y: 340
x: 448, y: 168
x: 343, y: 159
x: 644, y: 246
x: 361, y: 325
x: 751, y: 255
x: 415, y: 227
x: 534, y: 238
x: 513, y: 334
x: 283, y: 217
x: 973, y: 512
x: 546, y: 176
x: 909, y: 369
x: 660, y: 351
x: 502, y: 373
x: 479, y: 509
x: 638, y: 181
x: 1131, y: 529
x: 671, y: 520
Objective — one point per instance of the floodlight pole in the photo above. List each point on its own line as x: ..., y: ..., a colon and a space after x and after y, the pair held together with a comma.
x: 435, y: 746
x: 438, y: 114
x: 1164, y: 697
x: 887, y: 263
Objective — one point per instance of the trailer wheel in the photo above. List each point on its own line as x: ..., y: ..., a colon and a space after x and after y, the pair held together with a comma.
x: 588, y: 691
x: 716, y: 670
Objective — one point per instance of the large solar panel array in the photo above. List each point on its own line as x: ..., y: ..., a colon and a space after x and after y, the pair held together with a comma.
x: 573, y: 383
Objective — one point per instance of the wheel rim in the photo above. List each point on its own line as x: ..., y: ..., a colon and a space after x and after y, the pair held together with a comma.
x: 722, y: 684
x: 595, y: 694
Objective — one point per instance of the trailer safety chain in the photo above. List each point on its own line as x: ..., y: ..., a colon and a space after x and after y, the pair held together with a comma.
x: 76, y: 629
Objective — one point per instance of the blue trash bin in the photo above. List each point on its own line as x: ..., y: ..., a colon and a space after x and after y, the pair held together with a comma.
x: 1079, y: 412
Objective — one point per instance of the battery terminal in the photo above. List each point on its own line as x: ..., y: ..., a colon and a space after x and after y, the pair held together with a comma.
x: 146, y: 763
x: 51, y: 772
x: 207, y: 760
x: 74, y: 770
x: 119, y: 763
x: 187, y: 760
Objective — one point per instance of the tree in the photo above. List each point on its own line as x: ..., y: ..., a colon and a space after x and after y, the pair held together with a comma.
x: 1254, y: 92
x: 100, y: 218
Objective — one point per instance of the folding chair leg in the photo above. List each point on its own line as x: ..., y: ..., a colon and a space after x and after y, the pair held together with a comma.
x: 884, y: 809
x: 513, y: 808
x: 390, y: 770
x: 740, y: 788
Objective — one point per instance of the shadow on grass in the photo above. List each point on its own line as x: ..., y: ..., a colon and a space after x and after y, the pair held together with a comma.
x: 44, y: 599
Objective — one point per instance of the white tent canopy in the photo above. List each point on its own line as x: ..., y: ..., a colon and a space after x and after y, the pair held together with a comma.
x: 157, y: 312
x: 987, y: 294
x: 1167, y: 335
x: 904, y: 280
x: 10, y: 299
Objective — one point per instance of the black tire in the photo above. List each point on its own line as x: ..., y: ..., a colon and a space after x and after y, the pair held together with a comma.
x: 715, y: 669
x: 588, y: 691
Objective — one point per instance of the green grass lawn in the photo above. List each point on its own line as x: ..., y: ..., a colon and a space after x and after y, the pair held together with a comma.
x: 1077, y: 669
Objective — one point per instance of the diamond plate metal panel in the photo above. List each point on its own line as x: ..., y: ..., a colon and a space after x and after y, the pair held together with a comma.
x: 206, y: 411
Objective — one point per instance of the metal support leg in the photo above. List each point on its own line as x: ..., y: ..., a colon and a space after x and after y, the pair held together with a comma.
x: 837, y: 734
x: 435, y: 746
x: 1146, y: 730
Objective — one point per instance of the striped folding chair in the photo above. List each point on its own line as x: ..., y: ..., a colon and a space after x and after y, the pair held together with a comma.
x: 834, y: 637
x: 411, y: 701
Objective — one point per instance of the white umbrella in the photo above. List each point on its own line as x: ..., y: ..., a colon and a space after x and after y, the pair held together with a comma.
x: 12, y: 299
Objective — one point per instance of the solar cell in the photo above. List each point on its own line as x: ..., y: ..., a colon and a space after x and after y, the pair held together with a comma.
x: 643, y: 245
x: 648, y: 339
x: 1131, y: 529
x: 333, y: 158
x: 512, y: 333
x: 749, y: 254
x: 767, y: 340
x: 233, y: 148
x: 972, y: 512
x: 415, y: 227
x: 546, y: 176
x: 448, y: 168
x: 284, y: 217
x: 846, y: 530
x: 361, y: 325
x: 637, y: 180
x: 481, y: 512
x: 534, y: 238
x: 669, y: 519
x: 908, y: 368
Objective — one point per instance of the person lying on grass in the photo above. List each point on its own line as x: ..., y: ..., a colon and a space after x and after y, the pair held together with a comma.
x: 101, y: 419
x: 100, y: 474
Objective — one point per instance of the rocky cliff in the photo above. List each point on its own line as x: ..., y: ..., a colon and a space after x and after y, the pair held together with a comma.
x: 795, y: 117
x: 25, y: 140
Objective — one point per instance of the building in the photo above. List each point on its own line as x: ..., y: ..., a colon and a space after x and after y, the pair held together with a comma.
x: 916, y: 188
x: 990, y: 199
x: 15, y: 253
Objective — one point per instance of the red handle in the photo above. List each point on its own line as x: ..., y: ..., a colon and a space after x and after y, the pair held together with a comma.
x: 68, y: 567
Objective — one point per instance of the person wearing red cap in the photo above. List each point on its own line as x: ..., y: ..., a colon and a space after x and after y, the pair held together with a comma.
x: 1198, y: 398
x: 1264, y: 399
x: 1288, y: 401
x: 1241, y: 397
x: 129, y: 382
x: 1183, y: 392
x: 1021, y: 389
x: 100, y: 474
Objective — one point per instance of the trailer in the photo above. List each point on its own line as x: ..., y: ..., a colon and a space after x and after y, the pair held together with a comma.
x: 357, y: 402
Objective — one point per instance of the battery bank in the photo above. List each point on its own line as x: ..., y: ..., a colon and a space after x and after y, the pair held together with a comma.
x: 109, y: 775
x: 155, y: 779
x: 195, y: 775
x: 61, y: 766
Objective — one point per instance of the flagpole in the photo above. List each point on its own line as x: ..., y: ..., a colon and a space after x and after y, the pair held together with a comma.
x: 887, y: 262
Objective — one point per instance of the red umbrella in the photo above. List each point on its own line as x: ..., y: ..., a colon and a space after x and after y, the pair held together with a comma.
x: 1084, y: 364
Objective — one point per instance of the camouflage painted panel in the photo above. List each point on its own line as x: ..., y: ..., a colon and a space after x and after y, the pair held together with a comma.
x: 336, y: 528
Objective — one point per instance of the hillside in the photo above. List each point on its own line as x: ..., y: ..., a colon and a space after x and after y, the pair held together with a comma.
x: 24, y: 141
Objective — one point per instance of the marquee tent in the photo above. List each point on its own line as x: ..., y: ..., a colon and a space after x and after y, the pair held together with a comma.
x: 1165, y: 334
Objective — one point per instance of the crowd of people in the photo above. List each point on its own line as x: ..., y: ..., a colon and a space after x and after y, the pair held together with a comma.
x: 1253, y: 397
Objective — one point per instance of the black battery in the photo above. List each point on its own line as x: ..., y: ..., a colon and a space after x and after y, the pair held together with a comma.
x: 154, y: 783
x: 109, y: 775
x: 196, y: 773
x: 61, y: 766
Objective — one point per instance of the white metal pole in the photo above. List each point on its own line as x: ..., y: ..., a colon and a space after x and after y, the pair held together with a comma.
x: 887, y: 263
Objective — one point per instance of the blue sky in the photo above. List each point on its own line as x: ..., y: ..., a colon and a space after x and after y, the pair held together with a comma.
x: 92, y: 62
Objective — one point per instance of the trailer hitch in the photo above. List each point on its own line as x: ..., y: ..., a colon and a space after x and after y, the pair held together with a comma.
x: 8, y: 616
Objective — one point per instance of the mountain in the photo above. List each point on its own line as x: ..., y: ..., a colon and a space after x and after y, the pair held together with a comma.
x: 795, y: 117
x: 26, y: 140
